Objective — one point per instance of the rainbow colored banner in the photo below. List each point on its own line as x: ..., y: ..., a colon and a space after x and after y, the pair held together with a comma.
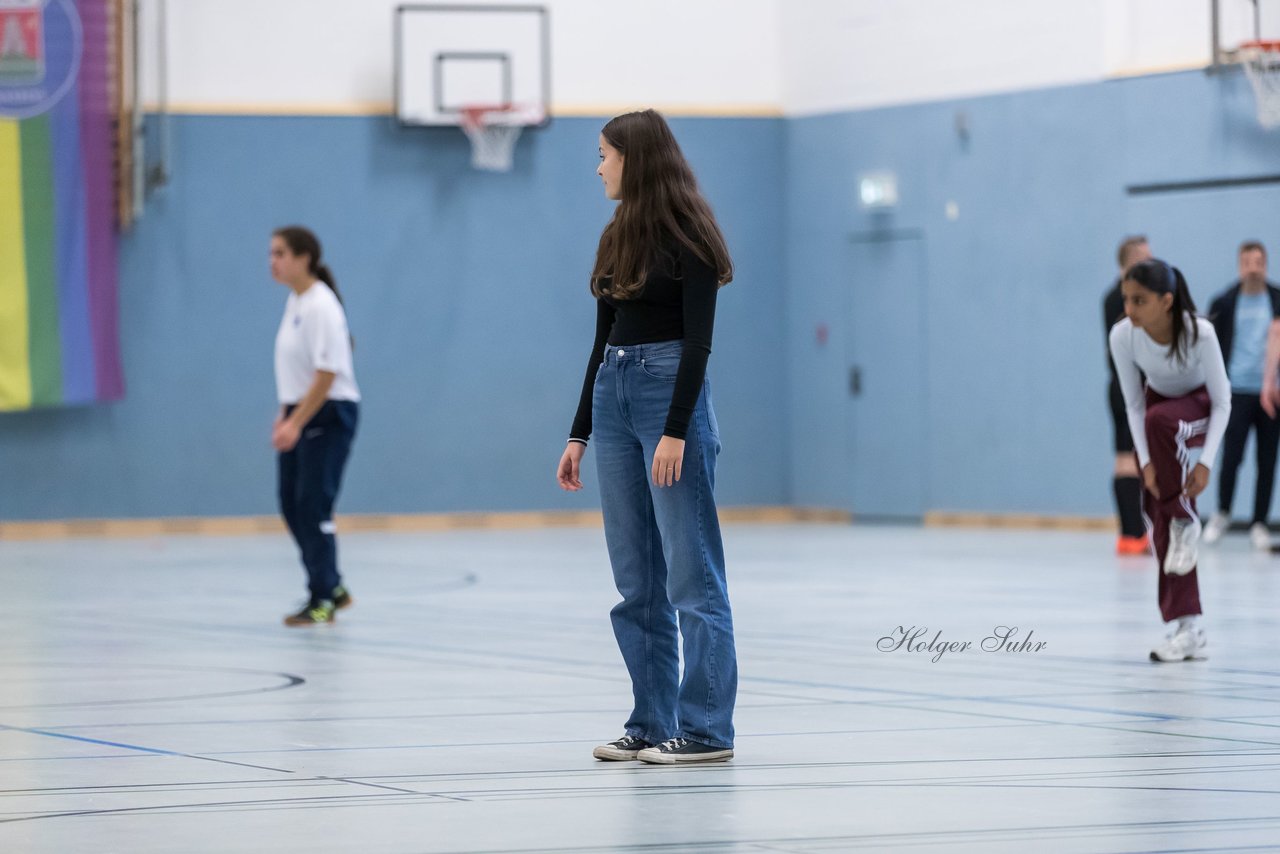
x: 59, y: 337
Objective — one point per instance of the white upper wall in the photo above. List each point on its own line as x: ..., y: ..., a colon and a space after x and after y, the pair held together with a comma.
x: 851, y: 54
x: 863, y: 53
x: 745, y: 57
x: 336, y: 55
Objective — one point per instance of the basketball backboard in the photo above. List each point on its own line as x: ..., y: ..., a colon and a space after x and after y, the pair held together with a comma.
x: 450, y: 57
x: 1234, y: 22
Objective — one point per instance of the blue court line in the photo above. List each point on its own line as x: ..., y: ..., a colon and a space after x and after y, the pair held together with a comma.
x: 157, y: 751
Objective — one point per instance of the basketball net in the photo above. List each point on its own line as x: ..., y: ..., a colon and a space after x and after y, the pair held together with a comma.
x: 493, y: 132
x: 1261, y: 62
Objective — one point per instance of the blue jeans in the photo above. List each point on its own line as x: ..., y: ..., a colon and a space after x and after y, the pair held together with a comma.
x: 664, y: 544
x: 310, y: 476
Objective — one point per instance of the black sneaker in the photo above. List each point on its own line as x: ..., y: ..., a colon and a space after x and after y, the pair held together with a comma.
x: 312, y: 614
x: 681, y: 750
x: 342, y: 598
x: 621, y: 750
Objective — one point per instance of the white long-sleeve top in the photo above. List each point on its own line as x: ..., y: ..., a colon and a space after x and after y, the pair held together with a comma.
x: 1134, y: 351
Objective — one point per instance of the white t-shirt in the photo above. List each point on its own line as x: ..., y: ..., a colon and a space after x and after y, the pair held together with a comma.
x: 313, y: 337
x: 1133, y: 350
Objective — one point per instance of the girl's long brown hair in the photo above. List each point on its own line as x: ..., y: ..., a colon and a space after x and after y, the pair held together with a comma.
x: 660, y: 201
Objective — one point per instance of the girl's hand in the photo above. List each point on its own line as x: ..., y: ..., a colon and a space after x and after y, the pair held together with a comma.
x: 1196, y: 481
x: 284, y: 435
x: 1149, y: 479
x: 1270, y: 397
x: 667, y: 461
x: 568, y: 473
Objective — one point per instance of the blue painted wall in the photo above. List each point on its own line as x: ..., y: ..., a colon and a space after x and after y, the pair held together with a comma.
x: 1017, y: 416
x: 467, y: 296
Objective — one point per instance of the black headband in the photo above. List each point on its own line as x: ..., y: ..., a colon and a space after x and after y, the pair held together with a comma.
x: 1166, y: 284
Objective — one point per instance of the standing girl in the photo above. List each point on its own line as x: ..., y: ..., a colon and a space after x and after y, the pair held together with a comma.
x: 1186, y: 404
x: 660, y: 262
x: 319, y: 407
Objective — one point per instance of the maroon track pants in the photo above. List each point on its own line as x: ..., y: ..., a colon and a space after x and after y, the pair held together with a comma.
x: 1174, y: 425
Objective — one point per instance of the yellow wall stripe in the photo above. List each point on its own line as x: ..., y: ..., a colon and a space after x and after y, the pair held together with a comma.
x: 15, y: 358
x: 382, y: 523
x: 385, y: 108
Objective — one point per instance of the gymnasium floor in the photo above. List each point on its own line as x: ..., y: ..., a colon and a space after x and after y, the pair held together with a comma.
x: 150, y: 700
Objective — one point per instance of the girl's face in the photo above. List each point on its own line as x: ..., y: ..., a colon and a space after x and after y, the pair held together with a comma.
x: 610, y: 170
x: 285, y: 266
x: 1145, y: 308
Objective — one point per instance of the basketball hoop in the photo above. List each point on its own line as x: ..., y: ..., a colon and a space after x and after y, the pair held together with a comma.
x: 1261, y: 60
x: 493, y: 131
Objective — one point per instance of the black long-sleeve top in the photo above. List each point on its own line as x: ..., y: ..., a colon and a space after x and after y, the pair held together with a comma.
x: 678, y: 301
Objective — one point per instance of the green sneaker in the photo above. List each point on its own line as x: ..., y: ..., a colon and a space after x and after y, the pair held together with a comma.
x: 342, y: 598
x: 313, y: 614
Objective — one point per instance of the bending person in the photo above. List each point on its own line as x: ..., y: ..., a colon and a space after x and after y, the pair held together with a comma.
x: 1185, y: 404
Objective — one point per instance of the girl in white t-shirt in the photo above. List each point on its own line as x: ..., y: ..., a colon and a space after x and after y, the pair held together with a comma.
x: 319, y: 409
x: 1185, y: 404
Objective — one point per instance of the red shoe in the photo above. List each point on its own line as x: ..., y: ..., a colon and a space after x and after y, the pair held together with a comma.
x: 1131, y: 546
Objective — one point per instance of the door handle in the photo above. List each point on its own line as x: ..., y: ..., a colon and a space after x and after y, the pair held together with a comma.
x: 855, y: 381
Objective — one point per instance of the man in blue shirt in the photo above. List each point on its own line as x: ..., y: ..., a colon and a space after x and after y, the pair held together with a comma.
x: 1242, y: 316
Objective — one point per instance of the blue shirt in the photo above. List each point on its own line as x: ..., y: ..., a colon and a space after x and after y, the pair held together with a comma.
x: 1249, y: 344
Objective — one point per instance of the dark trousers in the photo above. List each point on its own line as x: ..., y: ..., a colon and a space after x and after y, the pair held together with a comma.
x: 1247, y: 414
x: 310, y: 476
x: 1174, y: 425
x: 1128, y: 490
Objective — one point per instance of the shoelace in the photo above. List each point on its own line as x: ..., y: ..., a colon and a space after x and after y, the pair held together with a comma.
x: 674, y: 744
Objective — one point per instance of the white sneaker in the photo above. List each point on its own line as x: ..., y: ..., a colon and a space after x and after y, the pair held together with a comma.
x: 1182, y: 554
x: 1217, y: 526
x: 1260, y: 536
x: 1182, y: 645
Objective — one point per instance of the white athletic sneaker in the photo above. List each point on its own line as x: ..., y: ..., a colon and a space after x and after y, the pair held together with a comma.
x: 1182, y: 645
x: 1260, y: 536
x: 1182, y: 554
x: 1217, y: 526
